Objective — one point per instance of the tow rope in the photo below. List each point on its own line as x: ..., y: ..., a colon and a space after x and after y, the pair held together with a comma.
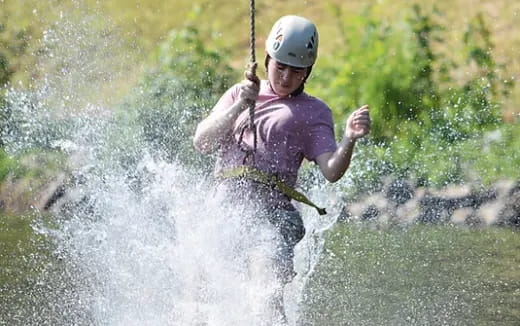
x: 270, y: 180
x: 251, y: 104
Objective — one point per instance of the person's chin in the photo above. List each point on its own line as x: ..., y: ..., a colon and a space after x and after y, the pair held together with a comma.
x: 283, y: 91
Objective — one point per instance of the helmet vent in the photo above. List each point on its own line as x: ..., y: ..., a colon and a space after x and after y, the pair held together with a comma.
x: 310, y: 45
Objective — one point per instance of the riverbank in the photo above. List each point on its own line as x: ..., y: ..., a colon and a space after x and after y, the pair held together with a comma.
x: 400, y: 202
x: 397, y: 202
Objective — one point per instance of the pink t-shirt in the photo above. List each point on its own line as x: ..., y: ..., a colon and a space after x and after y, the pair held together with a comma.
x: 288, y: 130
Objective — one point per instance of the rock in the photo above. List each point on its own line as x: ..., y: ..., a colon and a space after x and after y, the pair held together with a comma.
x: 399, y: 202
x: 452, y: 191
x: 399, y: 191
x: 439, y: 206
x: 54, y: 189
x: 461, y: 215
x: 489, y: 213
x: 510, y: 214
x: 373, y: 207
x: 432, y: 209
x: 344, y: 215
x: 370, y: 213
x: 409, y: 212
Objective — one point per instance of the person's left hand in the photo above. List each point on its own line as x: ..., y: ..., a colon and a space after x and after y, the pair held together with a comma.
x: 358, y: 124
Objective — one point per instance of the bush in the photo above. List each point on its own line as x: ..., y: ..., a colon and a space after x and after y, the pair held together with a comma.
x: 426, y: 124
x: 185, y: 82
x: 387, y: 66
x: 6, y: 165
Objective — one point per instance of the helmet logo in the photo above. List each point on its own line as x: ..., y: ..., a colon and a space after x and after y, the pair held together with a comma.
x: 278, y: 41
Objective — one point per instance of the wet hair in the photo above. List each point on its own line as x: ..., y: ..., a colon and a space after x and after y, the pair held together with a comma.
x: 300, y: 89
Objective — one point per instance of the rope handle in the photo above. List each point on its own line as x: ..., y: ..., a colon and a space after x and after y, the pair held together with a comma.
x: 251, y: 67
x: 252, y: 29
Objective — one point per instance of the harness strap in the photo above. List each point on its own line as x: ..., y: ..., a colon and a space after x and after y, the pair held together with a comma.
x: 270, y: 180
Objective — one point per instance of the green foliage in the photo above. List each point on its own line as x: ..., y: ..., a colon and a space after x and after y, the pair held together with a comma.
x: 424, y: 121
x: 4, y: 116
x: 382, y: 65
x: 495, y: 155
x: 36, y: 164
x: 7, y: 164
x: 5, y: 69
x: 473, y: 106
x: 14, y: 42
x: 186, y: 79
x: 28, y: 123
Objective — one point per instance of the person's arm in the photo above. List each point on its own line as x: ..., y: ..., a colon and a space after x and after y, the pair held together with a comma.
x: 333, y: 165
x: 212, y: 130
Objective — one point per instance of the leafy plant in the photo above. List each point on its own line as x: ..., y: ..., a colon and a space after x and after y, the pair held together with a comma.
x: 6, y: 165
x: 424, y: 120
x: 185, y: 80
x: 388, y: 66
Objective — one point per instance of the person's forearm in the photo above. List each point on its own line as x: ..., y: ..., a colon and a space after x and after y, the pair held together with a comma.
x: 212, y: 130
x: 339, y: 161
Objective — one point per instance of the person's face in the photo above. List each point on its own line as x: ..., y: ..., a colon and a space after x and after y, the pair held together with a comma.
x: 284, y: 79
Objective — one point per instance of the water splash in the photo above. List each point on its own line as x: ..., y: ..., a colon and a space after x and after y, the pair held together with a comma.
x: 137, y: 239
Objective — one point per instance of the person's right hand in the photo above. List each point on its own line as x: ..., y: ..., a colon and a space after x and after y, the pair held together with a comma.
x: 249, y: 87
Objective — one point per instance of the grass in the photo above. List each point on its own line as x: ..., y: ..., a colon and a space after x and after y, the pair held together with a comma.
x: 423, y: 275
x: 145, y: 23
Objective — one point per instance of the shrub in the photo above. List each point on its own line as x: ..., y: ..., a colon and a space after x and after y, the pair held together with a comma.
x: 425, y: 123
x: 184, y: 82
x: 6, y: 165
x: 384, y: 66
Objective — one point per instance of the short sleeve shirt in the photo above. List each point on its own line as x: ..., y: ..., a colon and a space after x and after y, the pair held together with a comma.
x: 289, y: 129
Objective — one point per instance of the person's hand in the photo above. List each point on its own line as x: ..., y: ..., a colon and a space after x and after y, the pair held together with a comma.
x: 358, y: 124
x: 250, y: 86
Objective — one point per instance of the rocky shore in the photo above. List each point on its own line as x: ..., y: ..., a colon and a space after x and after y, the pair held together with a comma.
x: 399, y: 202
x: 402, y: 203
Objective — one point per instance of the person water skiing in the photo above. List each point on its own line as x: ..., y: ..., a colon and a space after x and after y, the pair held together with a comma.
x: 290, y: 125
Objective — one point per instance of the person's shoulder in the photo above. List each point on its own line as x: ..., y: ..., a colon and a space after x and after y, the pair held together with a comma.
x: 233, y: 91
x: 234, y: 87
x: 315, y: 102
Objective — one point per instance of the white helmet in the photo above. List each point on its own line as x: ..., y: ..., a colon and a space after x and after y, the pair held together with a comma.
x: 293, y: 41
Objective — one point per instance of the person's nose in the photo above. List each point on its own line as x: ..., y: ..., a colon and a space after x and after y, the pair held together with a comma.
x: 286, y: 74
